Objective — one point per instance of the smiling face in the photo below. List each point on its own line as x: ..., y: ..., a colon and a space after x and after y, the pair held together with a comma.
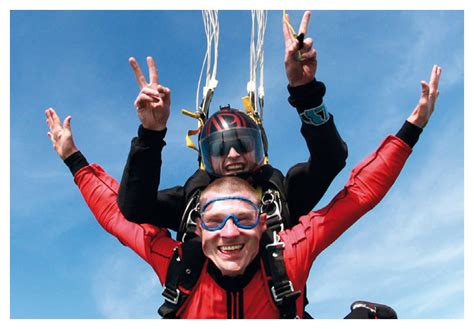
x: 234, y: 163
x: 231, y: 143
x: 231, y: 248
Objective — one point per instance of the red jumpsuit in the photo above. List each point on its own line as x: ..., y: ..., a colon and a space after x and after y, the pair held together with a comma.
x: 369, y: 182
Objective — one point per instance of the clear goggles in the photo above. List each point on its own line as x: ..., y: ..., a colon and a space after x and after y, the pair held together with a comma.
x: 246, y: 220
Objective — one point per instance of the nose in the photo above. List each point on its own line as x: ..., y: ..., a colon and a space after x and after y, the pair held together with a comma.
x: 230, y: 229
x: 233, y: 153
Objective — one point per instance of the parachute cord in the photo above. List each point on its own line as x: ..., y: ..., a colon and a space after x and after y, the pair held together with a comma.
x: 252, y: 76
x: 262, y: 25
x: 211, y: 28
x: 253, y: 107
x: 289, y: 24
x: 257, y: 63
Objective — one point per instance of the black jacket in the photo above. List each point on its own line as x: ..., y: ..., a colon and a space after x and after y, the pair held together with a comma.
x: 303, y: 187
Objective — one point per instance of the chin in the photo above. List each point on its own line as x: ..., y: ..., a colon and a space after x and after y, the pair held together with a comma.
x: 231, y: 269
x: 232, y: 272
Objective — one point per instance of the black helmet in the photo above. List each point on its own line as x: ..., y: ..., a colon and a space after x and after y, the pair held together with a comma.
x: 230, y: 128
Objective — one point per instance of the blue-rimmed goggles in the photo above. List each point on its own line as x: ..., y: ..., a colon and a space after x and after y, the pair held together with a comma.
x: 246, y: 221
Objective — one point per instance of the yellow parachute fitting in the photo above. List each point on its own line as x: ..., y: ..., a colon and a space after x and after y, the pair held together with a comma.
x: 192, y: 132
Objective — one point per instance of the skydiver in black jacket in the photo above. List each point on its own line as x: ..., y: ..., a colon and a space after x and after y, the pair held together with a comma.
x: 301, y: 189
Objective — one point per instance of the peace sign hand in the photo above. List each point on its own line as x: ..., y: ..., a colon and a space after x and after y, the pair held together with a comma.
x: 154, y: 100
x: 300, y: 68
x: 426, y: 105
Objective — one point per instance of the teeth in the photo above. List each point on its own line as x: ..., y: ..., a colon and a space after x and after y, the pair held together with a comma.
x: 235, y: 167
x: 231, y: 248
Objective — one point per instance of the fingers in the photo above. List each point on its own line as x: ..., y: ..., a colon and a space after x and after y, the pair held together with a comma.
x: 307, y: 44
x: 67, y: 123
x: 308, y: 56
x: 144, y: 100
x: 154, y: 93
x: 304, y: 22
x: 51, y: 137
x: 287, y: 34
x: 54, y: 128
x: 138, y: 72
x: 425, y: 88
x: 49, y: 119
x: 52, y: 118
x: 166, y: 95
x: 164, y: 90
x: 434, y: 79
x: 152, y: 71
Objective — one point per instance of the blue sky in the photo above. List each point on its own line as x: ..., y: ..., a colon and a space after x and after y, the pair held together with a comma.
x: 408, y: 252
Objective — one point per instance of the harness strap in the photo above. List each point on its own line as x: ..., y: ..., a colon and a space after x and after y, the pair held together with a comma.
x: 281, y: 287
x: 183, y: 273
x: 188, y: 224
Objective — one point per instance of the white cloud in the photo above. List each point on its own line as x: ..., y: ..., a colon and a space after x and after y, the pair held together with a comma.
x: 124, y: 286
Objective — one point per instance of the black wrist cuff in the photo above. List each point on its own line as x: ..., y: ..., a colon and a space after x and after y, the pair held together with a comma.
x: 409, y: 133
x: 307, y: 96
x: 151, y: 137
x: 75, y: 162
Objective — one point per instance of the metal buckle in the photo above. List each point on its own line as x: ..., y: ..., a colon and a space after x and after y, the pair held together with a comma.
x: 191, y: 222
x: 279, y: 298
x: 272, y: 199
x: 168, y: 295
x: 279, y: 223
x: 276, y: 241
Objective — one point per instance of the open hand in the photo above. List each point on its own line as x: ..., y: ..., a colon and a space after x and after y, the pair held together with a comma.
x: 60, y: 134
x: 426, y: 105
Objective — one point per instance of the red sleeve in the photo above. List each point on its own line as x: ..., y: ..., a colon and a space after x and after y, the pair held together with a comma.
x: 151, y: 243
x: 370, y: 180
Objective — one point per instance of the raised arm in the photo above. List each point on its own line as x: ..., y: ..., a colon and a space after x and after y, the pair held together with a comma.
x: 100, y: 193
x: 307, y: 182
x: 138, y: 198
x: 370, y: 180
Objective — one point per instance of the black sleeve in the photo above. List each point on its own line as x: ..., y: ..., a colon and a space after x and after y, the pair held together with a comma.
x: 307, y: 182
x: 409, y: 133
x: 138, y: 197
x: 75, y: 162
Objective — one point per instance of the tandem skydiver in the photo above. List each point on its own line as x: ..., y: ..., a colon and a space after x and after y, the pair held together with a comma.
x: 230, y: 262
x: 231, y: 144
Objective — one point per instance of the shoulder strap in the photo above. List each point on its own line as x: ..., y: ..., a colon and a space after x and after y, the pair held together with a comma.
x: 183, y: 273
x: 274, y: 199
x: 187, y: 228
x: 281, y: 287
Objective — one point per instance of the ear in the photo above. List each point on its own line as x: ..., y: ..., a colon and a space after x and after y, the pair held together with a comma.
x: 198, y: 229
